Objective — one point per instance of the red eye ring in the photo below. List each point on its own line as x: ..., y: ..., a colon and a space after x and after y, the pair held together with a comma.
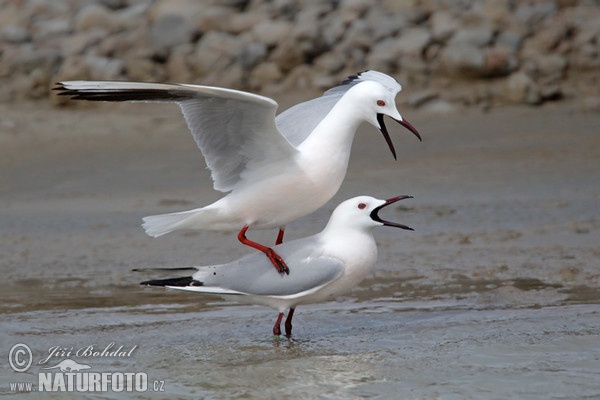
x: 362, y: 206
x: 380, y: 103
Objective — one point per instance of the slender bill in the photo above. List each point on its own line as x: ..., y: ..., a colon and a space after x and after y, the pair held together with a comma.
x: 408, y: 126
x: 375, y: 216
x: 386, y: 135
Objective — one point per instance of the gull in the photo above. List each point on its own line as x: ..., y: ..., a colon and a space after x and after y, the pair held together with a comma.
x: 323, y: 265
x: 275, y: 169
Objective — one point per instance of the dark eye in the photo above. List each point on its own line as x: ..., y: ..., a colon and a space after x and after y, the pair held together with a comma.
x: 380, y: 103
x: 362, y: 206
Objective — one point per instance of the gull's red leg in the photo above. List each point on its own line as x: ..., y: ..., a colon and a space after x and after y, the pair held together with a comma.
x: 275, y: 259
x: 280, y: 236
x: 277, y: 327
x: 288, y: 323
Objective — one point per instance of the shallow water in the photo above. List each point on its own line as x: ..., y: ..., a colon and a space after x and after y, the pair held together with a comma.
x: 495, y: 295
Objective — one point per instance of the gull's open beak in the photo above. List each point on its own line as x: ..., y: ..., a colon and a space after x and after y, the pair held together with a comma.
x: 386, y: 135
x: 375, y: 216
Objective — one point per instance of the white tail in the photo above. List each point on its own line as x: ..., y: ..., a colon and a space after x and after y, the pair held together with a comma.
x: 158, y: 225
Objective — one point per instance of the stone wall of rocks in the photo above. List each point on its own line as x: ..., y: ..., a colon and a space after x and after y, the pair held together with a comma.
x: 444, y: 52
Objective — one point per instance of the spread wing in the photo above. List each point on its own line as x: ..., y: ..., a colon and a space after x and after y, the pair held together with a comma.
x: 233, y: 129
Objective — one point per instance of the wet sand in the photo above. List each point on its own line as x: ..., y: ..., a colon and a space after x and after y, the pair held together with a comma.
x: 495, y: 295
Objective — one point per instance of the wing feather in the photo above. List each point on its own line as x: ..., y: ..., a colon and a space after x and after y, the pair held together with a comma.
x: 230, y: 127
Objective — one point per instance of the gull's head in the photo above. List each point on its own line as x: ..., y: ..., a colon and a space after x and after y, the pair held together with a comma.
x: 362, y: 213
x: 377, y: 101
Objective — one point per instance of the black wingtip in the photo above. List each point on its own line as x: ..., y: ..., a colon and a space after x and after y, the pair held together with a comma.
x: 183, y: 281
x: 352, y: 78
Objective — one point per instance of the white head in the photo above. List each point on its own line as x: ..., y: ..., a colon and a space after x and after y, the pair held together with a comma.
x: 361, y: 213
x: 376, y: 99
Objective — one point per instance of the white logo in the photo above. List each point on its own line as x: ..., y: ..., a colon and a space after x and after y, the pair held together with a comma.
x: 69, y: 375
x: 69, y: 366
x: 20, y: 357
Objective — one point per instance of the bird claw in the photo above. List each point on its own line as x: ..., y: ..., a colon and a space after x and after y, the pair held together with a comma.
x: 278, y: 262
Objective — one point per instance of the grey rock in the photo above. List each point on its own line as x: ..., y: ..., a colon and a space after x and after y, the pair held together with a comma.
x: 419, y: 98
x: 443, y: 25
x: 510, y: 39
x: 330, y: 62
x: 103, y: 68
x: 499, y: 61
x: 531, y: 14
x: 96, y: 16
x: 463, y: 60
x: 478, y: 36
x: 439, y: 107
x: 251, y: 54
x: 170, y: 30
x: 265, y: 74
x: 14, y: 34
x: 271, y: 32
x: 216, y: 51
x: 520, y: 88
x: 30, y: 59
x: 413, y: 41
x: 385, y: 25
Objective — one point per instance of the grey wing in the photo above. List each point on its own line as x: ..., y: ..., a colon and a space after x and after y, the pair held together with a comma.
x: 255, y: 275
x: 298, y: 122
x: 232, y: 128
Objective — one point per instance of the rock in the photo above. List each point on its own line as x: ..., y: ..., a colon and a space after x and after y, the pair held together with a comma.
x: 590, y: 104
x: 439, y: 107
x: 419, y: 98
x: 413, y: 10
x: 78, y: 42
x: 252, y: 54
x: 271, y: 33
x: 551, y: 93
x: 30, y: 59
x: 288, y: 54
x: 443, y: 25
x: 144, y: 70
x: 551, y: 66
x: 465, y: 61
x: 216, y: 51
x: 385, y: 55
x: 413, y: 41
x: 14, y: 34
x: 45, y: 29
x: 96, y: 16
x: 510, y: 39
x: 385, y: 25
x: 533, y: 13
x: 170, y: 30
x: 476, y: 36
x: 520, y: 88
x: 104, y: 68
x: 238, y: 23
x: 499, y: 61
x: 265, y: 74
x: 330, y: 62
x: 332, y: 32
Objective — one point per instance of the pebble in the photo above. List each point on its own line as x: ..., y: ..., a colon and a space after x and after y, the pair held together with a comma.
x: 442, y: 51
